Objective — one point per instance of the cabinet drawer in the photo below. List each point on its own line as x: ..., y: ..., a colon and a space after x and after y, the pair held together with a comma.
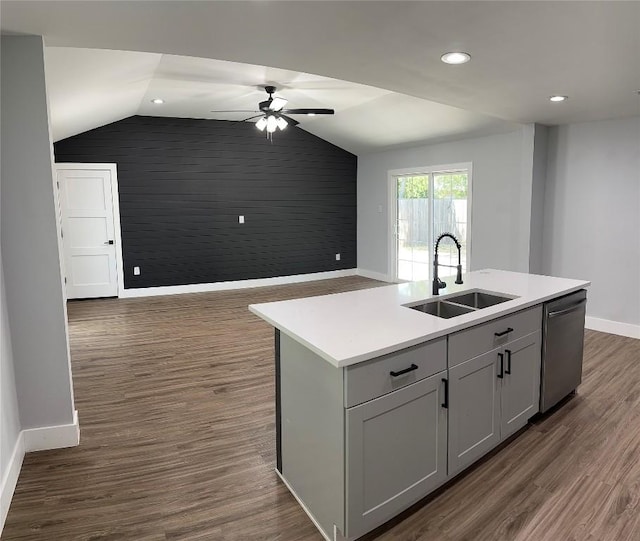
x: 477, y: 340
x: 371, y: 379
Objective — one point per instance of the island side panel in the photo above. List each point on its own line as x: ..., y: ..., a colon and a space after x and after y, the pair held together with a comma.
x: 278, y: 404
x: 312, y: 432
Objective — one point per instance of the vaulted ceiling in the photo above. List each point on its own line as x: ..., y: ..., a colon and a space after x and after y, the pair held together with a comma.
x: 389, y: 52
x: 92, y: 87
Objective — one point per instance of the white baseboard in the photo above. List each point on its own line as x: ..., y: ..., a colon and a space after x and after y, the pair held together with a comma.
x: 10, y: 479
x: 52, y: 437
x: 612, y: 327
x: 34, y: 439
x: 374, y: 275
x: 236, y: 284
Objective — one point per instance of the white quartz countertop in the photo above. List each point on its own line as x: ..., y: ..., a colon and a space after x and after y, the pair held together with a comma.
x: 347, y: 328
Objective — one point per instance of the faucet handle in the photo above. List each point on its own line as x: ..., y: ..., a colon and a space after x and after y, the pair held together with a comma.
x: 459, y: 275
x: 441, y: 284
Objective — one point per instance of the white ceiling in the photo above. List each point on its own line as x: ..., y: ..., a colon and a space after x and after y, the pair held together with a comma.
x: 522, y: 53
x: 92, y: 87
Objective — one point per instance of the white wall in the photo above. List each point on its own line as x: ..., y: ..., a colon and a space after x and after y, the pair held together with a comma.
x: 501, y: 198
x: 30, y: 244
x: 538, y: 186
x: 9, y: 416
x: 592, y: 213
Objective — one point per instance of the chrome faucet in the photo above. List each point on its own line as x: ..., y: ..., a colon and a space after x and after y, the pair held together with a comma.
x: 437, y: 283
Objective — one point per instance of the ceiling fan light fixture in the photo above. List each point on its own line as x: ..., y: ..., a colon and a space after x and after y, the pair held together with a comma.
x: 262, y: 123
x: 277, y: 104
x: 272, y: 116
x: 272, y: 124
x: 455, y: 58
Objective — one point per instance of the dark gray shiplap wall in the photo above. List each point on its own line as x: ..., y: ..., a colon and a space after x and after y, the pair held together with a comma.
x: 184, y: 182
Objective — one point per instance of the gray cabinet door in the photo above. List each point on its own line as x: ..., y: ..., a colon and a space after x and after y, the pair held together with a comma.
x: 396, y: 452
x: 474, y: 411
x: 521, y: 385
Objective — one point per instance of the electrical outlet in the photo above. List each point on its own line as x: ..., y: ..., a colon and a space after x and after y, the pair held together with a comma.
x: 136, y: 271
x: 337, y: 257
x: 240, y: 219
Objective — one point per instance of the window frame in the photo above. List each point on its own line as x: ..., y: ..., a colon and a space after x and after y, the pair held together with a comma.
x: 392, y: 205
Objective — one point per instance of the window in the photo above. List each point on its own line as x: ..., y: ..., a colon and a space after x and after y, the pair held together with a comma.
x: 426, y: 203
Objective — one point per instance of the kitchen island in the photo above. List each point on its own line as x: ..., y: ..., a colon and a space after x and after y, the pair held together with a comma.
x: 379, y: 404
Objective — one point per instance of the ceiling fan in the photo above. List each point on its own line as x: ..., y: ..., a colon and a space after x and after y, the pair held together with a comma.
x: 273, y: 116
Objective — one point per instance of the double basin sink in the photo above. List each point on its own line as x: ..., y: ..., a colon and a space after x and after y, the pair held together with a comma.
x: 458, y: 305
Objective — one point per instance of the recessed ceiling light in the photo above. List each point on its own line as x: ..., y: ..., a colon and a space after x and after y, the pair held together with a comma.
x: 455, y: 58
x: 157, y: 101
x: 558, y: 98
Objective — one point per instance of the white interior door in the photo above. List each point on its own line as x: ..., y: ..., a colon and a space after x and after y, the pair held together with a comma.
x: 89, y: 240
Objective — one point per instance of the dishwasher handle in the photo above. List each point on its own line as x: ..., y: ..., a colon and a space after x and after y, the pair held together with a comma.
x: 571, y: 308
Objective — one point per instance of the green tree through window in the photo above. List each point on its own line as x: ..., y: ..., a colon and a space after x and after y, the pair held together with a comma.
x: 452, y: 185
x: 413, y: 187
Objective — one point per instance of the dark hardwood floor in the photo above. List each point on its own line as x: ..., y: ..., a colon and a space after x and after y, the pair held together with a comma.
x: 176, y: 406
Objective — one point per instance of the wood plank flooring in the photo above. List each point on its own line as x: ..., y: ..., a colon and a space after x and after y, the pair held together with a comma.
x: 176, y: 406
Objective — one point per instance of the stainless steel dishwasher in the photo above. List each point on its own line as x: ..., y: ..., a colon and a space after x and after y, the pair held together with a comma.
x: 562, y: 347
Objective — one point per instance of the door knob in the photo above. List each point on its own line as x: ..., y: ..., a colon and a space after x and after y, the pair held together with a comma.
x: 109, y: 242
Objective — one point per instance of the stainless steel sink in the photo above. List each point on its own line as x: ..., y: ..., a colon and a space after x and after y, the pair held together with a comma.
x: 442, y: 309
x: 478, y: 299
x: 457, y: 305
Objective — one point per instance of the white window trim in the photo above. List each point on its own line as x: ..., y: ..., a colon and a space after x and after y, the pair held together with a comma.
x: 392, y: 237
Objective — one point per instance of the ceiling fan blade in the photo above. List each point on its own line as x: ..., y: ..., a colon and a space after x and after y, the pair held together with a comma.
x: 251, y: 117
x: 236, y: 111
x: 309, y: 111
x: 290, y: 120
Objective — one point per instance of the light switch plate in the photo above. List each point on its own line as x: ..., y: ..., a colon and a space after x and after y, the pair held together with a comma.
x: 240, y: 219
x: 136, y: 271
x: 337, y: 257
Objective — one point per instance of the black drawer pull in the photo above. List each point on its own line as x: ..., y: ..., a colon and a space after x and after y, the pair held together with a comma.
x: 445, y: 404
x: 508, y: 370
x: 509, y: 329
x: 501, y: 373
x: 406, y: 370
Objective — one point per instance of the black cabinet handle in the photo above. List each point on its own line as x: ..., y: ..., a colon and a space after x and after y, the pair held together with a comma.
x: 501, y: 374
x: 508, y: 370
x: 509, y: 329
x: 445, y: 404
x: 410, y: 369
